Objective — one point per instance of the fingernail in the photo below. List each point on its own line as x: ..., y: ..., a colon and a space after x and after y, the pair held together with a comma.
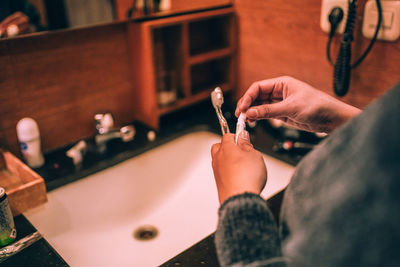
x: 244, y: 135
x: 252, y: 113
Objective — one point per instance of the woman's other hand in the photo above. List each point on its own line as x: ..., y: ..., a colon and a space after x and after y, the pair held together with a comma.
x: 237, y: 168
x: 296, y: 103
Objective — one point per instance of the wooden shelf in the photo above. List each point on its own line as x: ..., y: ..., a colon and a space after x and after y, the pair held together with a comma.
x: 199, y: 50
x: 192, y: 99
x: 201, y: 58
x: 210, y: 73
x: 210, y: 34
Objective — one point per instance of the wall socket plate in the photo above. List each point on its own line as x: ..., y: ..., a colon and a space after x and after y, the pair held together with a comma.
x: 390, y: 29
x: 326, y: 7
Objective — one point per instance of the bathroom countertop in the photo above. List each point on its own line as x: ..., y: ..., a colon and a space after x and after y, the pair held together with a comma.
x: 59, y: 171
x: 39, y: 253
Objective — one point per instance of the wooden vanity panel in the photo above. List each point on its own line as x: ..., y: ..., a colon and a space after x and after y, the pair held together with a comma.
x: 142, y: 71
x: 61, y: 80
x: 8, y: 93
x: 284, y: 38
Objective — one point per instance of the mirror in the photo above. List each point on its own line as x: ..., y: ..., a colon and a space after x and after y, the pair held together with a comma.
x: 19, y: 17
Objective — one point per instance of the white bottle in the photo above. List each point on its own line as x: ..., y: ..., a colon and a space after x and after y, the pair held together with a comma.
x: 29, y: 140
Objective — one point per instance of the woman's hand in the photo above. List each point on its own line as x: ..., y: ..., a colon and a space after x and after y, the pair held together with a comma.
x: 296, y: 103
x: 237, y: 168
x: 18, y: 21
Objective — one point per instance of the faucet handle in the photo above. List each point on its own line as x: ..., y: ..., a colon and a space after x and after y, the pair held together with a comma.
x: 127, y: 133
x: 104, y: 122
x: 76, y: 152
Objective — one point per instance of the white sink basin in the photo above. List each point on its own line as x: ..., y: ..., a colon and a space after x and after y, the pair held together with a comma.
x: 91, y: 222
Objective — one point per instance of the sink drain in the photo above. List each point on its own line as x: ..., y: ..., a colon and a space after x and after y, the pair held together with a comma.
x: 145, y: 233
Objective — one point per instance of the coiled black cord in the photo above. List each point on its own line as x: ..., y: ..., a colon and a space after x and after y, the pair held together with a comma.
x: 342, y: 67
x: 335, y: 17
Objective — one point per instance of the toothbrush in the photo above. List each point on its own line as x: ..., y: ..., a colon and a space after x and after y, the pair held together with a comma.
x: 217, y: 99
x: 240, y: 126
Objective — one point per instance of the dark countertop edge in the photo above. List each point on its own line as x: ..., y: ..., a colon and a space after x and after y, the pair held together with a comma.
x: 121, y: 157
x: 162, y: 139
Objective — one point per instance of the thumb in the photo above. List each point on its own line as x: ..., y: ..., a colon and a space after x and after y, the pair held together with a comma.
x: 266, y: 111
x: 244, y: 140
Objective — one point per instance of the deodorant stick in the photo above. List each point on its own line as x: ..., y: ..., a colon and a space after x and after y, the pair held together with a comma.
x: 29, y: 140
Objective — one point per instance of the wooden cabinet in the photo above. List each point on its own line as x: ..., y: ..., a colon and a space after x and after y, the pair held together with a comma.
x: 178, y: 60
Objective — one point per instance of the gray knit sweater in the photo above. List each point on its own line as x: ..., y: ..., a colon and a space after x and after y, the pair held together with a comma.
x: 342, y: 207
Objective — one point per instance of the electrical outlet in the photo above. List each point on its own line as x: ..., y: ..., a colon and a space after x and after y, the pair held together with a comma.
x: 326, y: 7
x: 390, y: 29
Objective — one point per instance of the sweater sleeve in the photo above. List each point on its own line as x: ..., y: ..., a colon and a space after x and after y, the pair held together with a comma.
x: 247, y: 234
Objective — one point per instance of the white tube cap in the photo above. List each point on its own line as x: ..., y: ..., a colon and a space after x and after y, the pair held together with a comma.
x: 27, y: 129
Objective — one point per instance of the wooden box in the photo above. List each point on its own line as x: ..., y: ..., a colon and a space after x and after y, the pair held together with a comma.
x: 25, y: 189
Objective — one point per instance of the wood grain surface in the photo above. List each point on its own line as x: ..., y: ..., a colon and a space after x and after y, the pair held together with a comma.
x: 25, y: 189
x: 61, y: 80
x: 176, y: 6
x: 284, y: 38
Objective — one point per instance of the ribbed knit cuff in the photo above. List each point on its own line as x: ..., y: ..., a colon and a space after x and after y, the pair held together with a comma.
x: 240, y: 198
x: 246, y: 231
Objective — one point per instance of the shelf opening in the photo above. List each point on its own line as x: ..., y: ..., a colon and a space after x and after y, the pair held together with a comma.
x: 210, y: 74
x: 168, y: 64
x: 209, y: 34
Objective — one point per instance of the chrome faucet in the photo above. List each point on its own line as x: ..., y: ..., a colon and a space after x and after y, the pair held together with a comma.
x: 77, y: 152
x: 106, y: 131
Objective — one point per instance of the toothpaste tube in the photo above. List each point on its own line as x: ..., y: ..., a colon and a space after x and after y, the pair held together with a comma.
x: 240, y: 125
